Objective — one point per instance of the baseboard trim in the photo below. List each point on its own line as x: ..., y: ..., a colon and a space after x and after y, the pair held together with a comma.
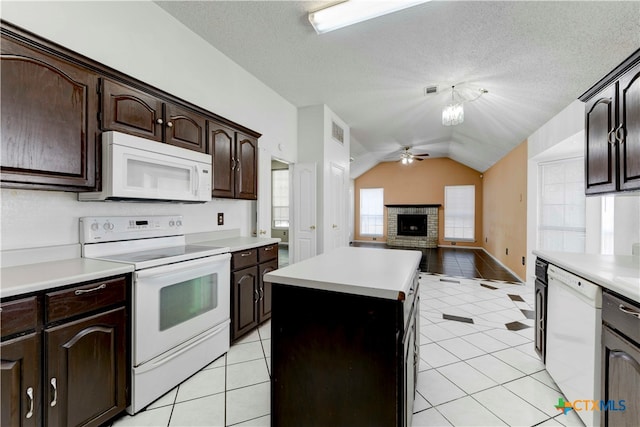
x: 503, y: 266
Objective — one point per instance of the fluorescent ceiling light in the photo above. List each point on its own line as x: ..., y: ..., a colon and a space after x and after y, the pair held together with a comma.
x: 354, y: 11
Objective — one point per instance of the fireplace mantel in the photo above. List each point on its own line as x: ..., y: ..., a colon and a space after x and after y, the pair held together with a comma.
x: 413, y: 206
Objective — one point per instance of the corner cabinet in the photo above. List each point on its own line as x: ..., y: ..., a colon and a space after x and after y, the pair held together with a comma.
x: 620, y: 361
x: 250, y: 295
x: 612, y: 130
x: 49, y: 107
x: 68, y: 367
x: 235, y: 162
x: 357, y: 356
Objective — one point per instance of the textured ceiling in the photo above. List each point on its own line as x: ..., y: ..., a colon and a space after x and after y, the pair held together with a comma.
x: 534, y: 58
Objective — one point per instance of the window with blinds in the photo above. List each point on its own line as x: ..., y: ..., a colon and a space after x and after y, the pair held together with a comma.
x: 561, y: 224
x: 371, y: 211
x: 459, y: 213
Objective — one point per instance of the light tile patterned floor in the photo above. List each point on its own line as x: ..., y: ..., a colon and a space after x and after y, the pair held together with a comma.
x: 470, y: 374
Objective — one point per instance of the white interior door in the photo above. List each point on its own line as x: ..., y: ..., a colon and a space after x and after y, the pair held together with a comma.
x: 336, y: 200
x: 263, y: 220
x: 303, y: 232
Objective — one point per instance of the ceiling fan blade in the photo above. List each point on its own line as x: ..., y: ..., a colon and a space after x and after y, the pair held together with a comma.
x: 421, y: 155
x: 417, y: 158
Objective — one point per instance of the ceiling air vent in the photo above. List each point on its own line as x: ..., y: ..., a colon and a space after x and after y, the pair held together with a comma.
x: 430, y: 90
x: 337, y: 132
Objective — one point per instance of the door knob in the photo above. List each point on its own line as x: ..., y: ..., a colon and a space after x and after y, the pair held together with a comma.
x: 313, y: 227
x: 263, y: 232
x: 335, y: 226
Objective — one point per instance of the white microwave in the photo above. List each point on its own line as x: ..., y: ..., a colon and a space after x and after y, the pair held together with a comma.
x: 137, y: 169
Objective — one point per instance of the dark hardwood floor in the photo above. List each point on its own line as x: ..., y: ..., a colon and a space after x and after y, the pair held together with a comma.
x: 461, y: 262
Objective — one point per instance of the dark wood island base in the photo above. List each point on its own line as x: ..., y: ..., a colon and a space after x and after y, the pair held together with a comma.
x: 341, y: 359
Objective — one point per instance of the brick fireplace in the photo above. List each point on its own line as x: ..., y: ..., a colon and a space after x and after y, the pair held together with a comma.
x: 412, y: 226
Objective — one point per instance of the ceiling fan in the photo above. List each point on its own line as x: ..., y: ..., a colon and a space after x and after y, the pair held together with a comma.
x: 406, y: 156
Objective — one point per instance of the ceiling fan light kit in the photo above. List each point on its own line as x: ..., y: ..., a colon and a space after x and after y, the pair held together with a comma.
x: 353, y: 11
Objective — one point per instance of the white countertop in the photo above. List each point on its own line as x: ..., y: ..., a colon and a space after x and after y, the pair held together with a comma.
x: 27, y: 278
x: 618, y: 273
x: 239, y: 243
x: 382, y: 273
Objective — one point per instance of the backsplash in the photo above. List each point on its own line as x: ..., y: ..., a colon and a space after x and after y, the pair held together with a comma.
x: 32, y: 218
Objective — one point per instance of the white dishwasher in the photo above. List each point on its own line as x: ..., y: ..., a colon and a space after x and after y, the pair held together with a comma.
x: 574, y: 325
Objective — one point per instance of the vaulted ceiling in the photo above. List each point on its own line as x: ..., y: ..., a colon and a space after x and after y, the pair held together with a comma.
x: 534, y: 58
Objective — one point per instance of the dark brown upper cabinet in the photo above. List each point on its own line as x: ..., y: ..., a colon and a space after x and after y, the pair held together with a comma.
x: 49, y: 106
x: 55, y: 103
x: 129, y: 110
x: 612, y: 130
x: 235, y: 157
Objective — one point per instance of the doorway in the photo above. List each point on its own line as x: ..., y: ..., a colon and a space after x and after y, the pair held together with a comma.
x: 280, y: 199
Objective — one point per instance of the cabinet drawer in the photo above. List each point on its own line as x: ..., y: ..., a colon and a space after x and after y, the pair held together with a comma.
x: 19, y: 315
x: 267, y: 253
x: 622, y: 315
x: 84, y: 298
x: 244, y: 259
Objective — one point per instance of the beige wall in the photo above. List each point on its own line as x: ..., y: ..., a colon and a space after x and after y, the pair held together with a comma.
x: 505, y: 209
x: 420, y: 183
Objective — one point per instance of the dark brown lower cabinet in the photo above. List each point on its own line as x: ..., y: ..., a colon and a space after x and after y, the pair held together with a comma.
x: 620, y: 362
x: 250, y: 295
x: 65, y: 355
x: 85, y: 370
x: 20, y: 381
x: 244, y: 296
x: 540, y: 319
x: 341, y: 359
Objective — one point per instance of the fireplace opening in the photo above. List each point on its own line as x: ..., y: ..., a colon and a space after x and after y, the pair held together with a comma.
x: 412, y: 225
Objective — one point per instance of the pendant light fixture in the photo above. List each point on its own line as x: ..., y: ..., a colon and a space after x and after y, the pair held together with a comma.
x: 453, y: 114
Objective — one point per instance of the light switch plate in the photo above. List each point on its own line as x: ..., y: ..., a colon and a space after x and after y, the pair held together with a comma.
x: 220, y: 218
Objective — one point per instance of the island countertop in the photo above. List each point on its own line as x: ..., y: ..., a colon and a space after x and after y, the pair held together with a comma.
x: 382, y: 273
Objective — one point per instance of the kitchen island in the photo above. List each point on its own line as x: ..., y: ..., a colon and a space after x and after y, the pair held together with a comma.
x: 344, y: 347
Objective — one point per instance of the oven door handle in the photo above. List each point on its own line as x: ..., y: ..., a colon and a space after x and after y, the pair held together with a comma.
x: 185, y: 266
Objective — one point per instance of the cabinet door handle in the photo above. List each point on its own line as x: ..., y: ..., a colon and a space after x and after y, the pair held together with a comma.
x: 238, y: 164
x: 261, y: 294
x: 159, y: 121
x: 84, y: 291
x: 611, y: 136
x: 54, y: 385
x: 233, y: 163
x: 169, y: 124
x: 628, y: 311
x: 246, y: 254
x: 255, y: 291
x: 620, y: 133
x: 268, y: 248
x: 313, y: 227
x: 30, y: 396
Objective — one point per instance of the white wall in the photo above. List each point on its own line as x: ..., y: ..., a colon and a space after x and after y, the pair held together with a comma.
x: 143, y: 41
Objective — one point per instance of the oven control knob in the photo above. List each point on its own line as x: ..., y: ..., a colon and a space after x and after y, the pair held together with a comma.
x: 108, y: 226
x: 172, y: 223
x: 179, y: 223
x: 95, y: 226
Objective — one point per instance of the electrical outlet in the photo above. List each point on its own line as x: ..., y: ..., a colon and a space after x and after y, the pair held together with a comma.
x: 522, y: 260
x: 507, y: 251
x: 486, y: 239
x: 220, y: 218
x: 375, y: 238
